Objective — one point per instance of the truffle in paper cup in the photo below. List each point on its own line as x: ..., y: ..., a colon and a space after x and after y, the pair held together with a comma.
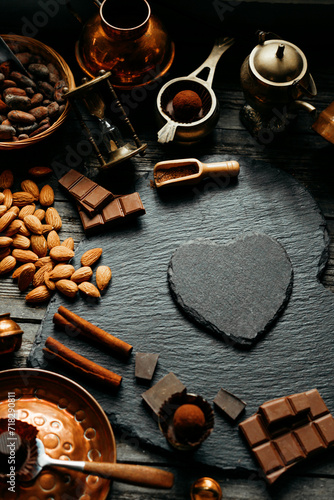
x: 186, y: 420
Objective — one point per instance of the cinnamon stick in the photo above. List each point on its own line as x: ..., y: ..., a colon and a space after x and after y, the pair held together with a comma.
x: 93, y: 332
x: 55, y: 351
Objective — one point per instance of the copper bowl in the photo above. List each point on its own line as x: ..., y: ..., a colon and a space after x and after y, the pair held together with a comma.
x: 10, y: 335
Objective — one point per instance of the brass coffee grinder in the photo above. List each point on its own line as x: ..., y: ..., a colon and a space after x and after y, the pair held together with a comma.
x: 274, y: 79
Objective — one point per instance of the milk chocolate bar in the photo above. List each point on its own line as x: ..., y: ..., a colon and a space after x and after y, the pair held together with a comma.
x: 91, y: 196
x: 287, y: 430
x: 121, y: 209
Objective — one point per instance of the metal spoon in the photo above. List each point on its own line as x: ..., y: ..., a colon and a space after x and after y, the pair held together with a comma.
x: 170, y: 172
x: 7, y: 55
x: 131, y: 474
x: 205, y: 487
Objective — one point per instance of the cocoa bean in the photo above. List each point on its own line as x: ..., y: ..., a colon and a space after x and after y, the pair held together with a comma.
x: 8, y: 83
x: 21, y: 117
x: 40, y: 130
x: 46, y: 89
x: 62, y: 109
x: 22, y: 137
x: 40, y: 112
x: 19, y: 102
x: 39, y: 71
x: 2, y: 77
x: 7, y: 122
x: 22, y: 80
x: 3, y: 107
x: 6, y: 132
x: 27, y: 129
x: 60, y: 84
x: 44, y: 121
x: 24, y: 57
x: 46, y: 102
x: 15, y: 139
x: 53, y: 109
x: 13, y: 91
x: 58, y: 96
x: 5, y: 68
x: 54, y: 74
x: 30, y: 91
x: 36, y: 99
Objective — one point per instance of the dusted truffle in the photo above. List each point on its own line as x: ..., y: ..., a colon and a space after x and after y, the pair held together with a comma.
x: 188, y: 422
x: 187, y: 105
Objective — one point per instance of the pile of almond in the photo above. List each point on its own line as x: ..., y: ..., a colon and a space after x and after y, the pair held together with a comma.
x: 29, y: 238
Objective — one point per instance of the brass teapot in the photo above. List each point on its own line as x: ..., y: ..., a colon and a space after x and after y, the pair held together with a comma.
x: 276, y: 74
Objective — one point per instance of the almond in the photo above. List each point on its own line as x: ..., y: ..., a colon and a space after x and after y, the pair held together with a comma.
x: 20, y: 241
x: 6, y: 219
x: 89, y: 289
x: 20, y: 269
x: 13, y: 228
x: 39, y: 275
x: 50, y: 284
x: 47, y: 196
x: 14, y: 210
x: 30, y: 187
x: 4, y: 252
x: 40, y: 214
x: 69, y: 243
x: 46, y: 228
x: 61, y: 271
x: 8, y: 200
x: 82, y: 274
x: 53, y: 240
x: 6, y: 179
x: 39, y: 171
x: 7, y: 264
x: 5, y: 241
x: 26, y: 277
x: 52, y: 217
x: 33, y: 224
x: 67, y: 287
x: 27, y: 210
x: 21, y: 198
x: 91, y: 256
x: 24, y: 255
x: 44, y: 260
x: 3, y: 209
x: 39, y: 245
x: 103, y: 277
x: 2, y: 197
x: 24, y: 230
x: 61, y: 254
x: 39, y: 294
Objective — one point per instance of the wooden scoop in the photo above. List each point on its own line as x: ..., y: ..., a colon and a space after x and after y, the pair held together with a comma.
x: 191, y: 171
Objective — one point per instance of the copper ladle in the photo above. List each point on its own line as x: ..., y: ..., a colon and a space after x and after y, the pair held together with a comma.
x: 201, y: 170
x: 126, y: 473
x: 205, y: 488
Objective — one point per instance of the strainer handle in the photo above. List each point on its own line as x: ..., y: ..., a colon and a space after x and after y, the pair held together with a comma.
x: 167, y: 132
x: 220, y: 46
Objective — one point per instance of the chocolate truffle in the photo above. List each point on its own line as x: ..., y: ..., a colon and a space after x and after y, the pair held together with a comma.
x: 187, y: 105
x: 188, y: 422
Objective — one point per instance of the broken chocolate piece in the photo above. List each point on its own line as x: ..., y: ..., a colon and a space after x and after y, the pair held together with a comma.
x: 229, y: 404
x: 276, y: 447
x: 146, y: 363
x: 161, y: 391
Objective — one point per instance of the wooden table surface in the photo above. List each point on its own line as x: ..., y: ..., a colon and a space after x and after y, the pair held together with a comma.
x: 300, y: 152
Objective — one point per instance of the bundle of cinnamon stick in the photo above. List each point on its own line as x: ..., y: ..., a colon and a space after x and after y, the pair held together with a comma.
x: 73, y: 325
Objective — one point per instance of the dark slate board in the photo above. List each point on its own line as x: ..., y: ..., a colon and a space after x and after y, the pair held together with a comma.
x: 238, y: 290
x: 297, y: 354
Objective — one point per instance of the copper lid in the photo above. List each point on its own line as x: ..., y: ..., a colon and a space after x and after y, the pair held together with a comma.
x: 8, y: 326
x: 278, y: 62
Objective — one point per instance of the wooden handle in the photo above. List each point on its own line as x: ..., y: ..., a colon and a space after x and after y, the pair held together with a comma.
x: 230, y: 168
x: 132, y: 474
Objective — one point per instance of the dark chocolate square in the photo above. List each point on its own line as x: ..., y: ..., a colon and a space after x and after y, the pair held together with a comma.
x: 146, y: 363
x: 229, y: 404
x: 161, y: 391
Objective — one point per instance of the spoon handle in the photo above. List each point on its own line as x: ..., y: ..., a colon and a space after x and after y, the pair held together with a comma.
x: 230, y: 168
x: 132, y: 474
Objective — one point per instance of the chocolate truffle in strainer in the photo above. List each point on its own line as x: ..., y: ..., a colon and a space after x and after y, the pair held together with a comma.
x: 187, y: 105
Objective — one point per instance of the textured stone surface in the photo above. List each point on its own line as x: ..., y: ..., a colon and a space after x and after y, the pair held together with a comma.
x: 236, y: 290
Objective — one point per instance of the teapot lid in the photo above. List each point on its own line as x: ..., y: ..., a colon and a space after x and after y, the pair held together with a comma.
x: 278, y: 62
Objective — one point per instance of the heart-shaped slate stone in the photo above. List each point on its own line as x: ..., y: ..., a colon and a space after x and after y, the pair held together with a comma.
x: 237, y: 289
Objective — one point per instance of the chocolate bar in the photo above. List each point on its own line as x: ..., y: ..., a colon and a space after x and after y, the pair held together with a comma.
x: 287, y: 430
x: 120, y: 209
x: 91, y: 197
x: 146, y: 363
x: 229, y: 404
x: 161, y: 391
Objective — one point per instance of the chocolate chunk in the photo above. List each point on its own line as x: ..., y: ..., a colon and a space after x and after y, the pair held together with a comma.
x: 146, y: 363
x: 278, y: 448
x: 163, y: 390
x: 229, y: 404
